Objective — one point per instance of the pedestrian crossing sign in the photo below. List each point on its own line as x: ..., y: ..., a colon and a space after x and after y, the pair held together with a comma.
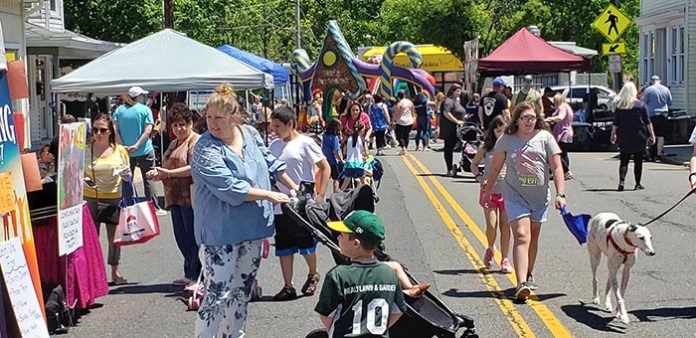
x: 612, y: 23
x: 613, y: 48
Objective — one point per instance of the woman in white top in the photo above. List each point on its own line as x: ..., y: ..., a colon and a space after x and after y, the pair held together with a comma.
x: 403, y: 118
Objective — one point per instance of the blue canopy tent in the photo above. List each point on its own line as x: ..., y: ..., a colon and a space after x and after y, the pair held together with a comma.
x: 281, y: 76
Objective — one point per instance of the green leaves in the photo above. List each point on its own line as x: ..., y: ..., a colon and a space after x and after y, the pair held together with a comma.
x: 247, y: 23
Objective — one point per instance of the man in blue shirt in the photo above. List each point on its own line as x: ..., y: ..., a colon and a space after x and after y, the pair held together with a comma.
x: 657, y: 99
x: 134, y: 122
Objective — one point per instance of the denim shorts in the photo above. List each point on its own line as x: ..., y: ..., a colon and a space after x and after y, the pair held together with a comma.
x: 517, y: 210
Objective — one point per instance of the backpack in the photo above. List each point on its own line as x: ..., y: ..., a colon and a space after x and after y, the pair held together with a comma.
x: 58, y: 316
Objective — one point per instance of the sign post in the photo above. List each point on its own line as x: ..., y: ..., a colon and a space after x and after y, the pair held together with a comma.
x: 612, y: 23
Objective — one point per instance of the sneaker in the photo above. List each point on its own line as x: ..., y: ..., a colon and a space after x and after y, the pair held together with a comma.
x: 568, y: 176
x: 287, y: 293
x: 310, y: 285
x: 621, y: 187
x: 488, y: 257
x: 505, y: 266
x: 531, y: 283
x: 638, y: 187
x: 161, y: 212
x: 523, y: 291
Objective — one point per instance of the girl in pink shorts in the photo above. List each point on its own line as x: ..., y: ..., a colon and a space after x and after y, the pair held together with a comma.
x: 494, y: 209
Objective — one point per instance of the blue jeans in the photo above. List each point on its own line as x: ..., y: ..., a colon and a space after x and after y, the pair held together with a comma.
x: 182, y: 221
x: 422, y: 133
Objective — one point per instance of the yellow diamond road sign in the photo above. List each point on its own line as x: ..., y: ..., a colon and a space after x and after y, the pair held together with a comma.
x: 611, y: 23
x: 613, y: 48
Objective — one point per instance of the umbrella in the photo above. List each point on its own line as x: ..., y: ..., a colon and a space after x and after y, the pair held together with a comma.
x: 577, y: 224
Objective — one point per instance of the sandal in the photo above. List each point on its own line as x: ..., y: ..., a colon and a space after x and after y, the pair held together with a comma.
x: 287, y: 293
x: 119, y: 280
x: 310, y: 285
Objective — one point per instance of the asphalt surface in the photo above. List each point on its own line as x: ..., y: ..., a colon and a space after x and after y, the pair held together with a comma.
x: 435, y: 228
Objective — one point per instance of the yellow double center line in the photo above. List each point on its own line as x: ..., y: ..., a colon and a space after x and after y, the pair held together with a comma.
x: 518, y: 324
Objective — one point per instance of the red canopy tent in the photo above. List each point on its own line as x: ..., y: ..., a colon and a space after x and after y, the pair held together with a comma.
x: 526, y: 53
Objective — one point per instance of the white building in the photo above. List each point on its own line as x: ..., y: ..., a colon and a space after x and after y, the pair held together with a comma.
x: 50, y: 50
x: 666, y: 50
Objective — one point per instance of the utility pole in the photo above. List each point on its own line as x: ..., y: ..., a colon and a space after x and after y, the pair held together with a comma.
x: 265, y: 33
x: 298, y: 41
x: 168, y: 14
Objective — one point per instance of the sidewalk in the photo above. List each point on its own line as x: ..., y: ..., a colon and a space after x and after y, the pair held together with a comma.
x: 678, y: 154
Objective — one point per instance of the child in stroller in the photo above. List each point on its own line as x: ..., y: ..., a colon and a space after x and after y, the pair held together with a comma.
x: 470, y: 135
x: 426, y: 316
x: 351, y: 293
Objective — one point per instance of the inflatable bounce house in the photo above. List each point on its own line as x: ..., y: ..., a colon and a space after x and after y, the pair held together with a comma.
x: 338, y: 70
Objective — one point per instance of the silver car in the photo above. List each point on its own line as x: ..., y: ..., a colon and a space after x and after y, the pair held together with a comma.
x: 576, y: 93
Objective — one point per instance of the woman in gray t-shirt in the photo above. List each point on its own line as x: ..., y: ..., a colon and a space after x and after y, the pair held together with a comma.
x: 528, y: 150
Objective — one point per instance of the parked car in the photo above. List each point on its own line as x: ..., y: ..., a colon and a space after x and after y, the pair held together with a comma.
x: 576, y: 93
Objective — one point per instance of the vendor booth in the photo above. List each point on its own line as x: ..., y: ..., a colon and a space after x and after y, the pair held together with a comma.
x: 166, y: 61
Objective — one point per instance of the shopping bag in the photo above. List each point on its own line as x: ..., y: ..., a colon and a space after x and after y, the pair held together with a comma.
x: 577, y: 224
x: 137, y: 223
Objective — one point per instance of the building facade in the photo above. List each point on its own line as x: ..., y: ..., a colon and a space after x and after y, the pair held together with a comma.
x: 666, y: 49
x: 52, y: 51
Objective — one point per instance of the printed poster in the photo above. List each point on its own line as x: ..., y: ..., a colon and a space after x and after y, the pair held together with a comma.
x: 71, y: 164
x: 14, y: 209
x: 17, y: 278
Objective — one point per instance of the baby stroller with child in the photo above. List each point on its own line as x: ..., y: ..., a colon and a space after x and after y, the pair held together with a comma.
x: 426, y: 316
x: 470, y: 136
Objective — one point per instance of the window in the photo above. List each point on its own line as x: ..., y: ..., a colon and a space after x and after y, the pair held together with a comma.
x: 646, y: 59
x: 651, y: 55
x: 676, y: 75
x: 54, y: 5
x: 681, y: 54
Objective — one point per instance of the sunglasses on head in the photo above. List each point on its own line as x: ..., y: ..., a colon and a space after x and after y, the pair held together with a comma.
x: 100, y: 130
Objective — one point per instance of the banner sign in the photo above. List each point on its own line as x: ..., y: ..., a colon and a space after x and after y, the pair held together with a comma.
x: 14, y: 217
x: 17, y: 278
x: 71, y: 164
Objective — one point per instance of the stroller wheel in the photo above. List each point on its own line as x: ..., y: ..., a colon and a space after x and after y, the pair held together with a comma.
x: 469, y: 333
x: 318, y: 333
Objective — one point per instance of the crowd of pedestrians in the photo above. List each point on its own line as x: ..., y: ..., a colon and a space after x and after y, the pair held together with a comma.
x: 222, y: 174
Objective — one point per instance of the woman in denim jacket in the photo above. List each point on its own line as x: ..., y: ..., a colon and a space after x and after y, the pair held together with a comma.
x: 233, y: 207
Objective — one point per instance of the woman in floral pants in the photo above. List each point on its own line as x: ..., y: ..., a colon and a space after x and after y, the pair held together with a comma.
x: 232, y: 203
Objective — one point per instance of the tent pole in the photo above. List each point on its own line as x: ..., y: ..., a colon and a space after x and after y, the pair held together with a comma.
x: 246, y: 92
x: 163, y: 119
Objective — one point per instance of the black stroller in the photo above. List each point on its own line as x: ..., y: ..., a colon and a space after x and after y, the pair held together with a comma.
x: 470, y: 136
x: 426, y: 316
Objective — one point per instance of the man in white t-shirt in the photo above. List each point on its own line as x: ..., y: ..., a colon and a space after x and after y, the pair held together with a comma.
x: 301, y: 155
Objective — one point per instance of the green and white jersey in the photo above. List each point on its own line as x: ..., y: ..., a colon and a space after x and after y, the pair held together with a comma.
x: 360, y: 297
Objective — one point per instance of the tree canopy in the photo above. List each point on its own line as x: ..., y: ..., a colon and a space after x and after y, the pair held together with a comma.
x: 267, y: 27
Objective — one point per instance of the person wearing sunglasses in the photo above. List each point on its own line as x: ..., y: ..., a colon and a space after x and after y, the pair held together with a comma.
x: 528, y: 150
x: 107, y: 166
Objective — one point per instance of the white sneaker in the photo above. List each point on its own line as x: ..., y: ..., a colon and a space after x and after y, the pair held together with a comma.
x: 161, y: 212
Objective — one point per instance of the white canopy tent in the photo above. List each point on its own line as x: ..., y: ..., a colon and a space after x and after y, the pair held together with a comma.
x: 165, y: 61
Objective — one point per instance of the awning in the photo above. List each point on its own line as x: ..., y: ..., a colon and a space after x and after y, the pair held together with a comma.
x: 281, y: 75
x: 526, y: 53
x: 435, y: 58
x: 573, y: 48
x: 70, y: 45
x: 164, y: 61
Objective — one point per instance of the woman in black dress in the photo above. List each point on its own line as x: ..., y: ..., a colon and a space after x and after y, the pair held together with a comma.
x: 452, y: 114
x: 631, y: 130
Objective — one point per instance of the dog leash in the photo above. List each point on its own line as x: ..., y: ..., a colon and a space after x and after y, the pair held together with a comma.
x: 671, y: 208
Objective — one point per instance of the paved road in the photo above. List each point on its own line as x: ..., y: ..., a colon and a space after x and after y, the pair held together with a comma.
x: 435, y: 228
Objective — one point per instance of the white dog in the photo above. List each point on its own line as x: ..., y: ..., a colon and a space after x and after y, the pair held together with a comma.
x: 619, y: 240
